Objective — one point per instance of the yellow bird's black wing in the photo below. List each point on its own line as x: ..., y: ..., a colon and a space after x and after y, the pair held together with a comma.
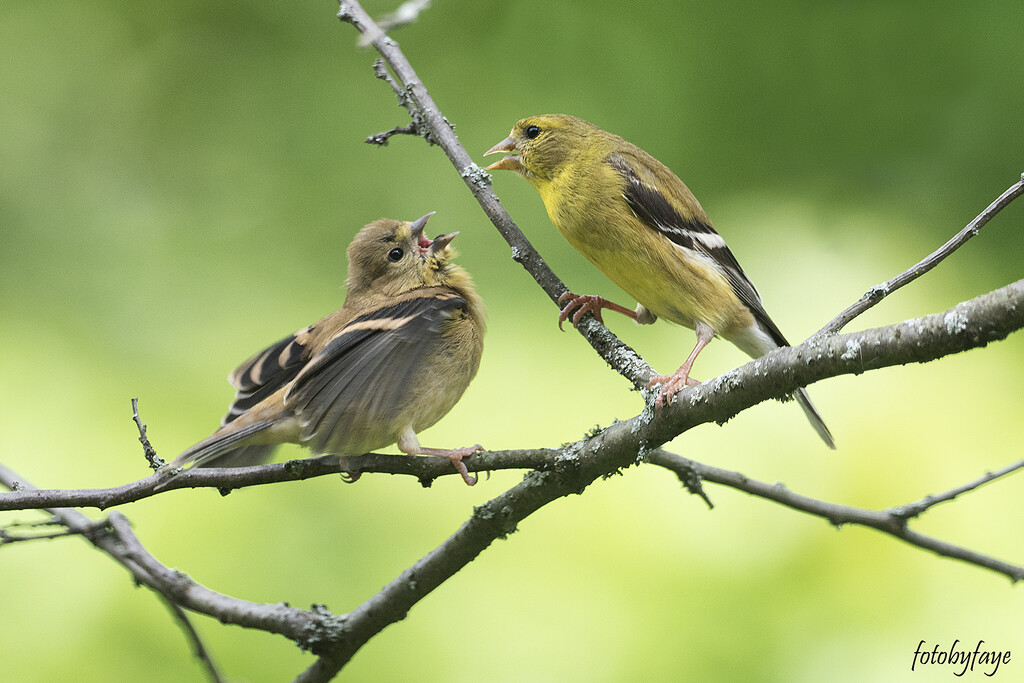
x: 653, y: 208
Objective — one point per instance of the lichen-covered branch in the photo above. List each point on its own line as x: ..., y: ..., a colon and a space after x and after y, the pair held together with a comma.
x: 623, y: 443
x: 968, y: 325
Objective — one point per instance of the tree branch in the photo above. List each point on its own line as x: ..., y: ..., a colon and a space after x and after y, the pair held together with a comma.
x: 568, y: 470
x: 968, y: 325
x: 428, y: 122
x: 623, y: 443
x: 226, y: 479
x: 879, y: 292
x: 114, y: 536
x: 892, y: 521
x: 971, y: 324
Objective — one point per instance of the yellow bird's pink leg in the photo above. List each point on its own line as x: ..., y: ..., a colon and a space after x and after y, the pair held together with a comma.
x: 588, y: 303
x: 671, y: 384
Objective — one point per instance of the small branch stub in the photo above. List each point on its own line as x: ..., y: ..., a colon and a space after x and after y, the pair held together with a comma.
x: 155, y: 461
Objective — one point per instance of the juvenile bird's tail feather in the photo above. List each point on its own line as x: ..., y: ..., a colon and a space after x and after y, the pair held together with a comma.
x: 243, y: 456
x: 814, y: 417
x: 222, y: 449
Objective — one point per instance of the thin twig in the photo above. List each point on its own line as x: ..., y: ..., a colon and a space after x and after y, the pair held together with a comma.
x: 879, y: 292
x: 7, y: 537
x: 204, y: 656
x: 887, y: 521
x: 155, y: 461
x: 915, y: 509
x: 380, y: 70
x: 224, y: 479
x: 414, y: 127
x: 383, y: 137
x: 407, y: 13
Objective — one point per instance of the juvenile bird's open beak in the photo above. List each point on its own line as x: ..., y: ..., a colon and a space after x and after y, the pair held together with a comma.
x: 417, y: 231
x: 508, y: 163
x: 441, y: 241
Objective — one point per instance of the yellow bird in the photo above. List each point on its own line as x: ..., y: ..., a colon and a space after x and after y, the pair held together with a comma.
x: 642, y: 227
x: 391, y: 362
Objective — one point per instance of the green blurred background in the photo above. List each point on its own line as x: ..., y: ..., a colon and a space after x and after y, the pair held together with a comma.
x: 179, y: 181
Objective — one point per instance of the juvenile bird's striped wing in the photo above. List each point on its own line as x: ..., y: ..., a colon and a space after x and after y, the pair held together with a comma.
x: 653, y: 208
x: 267, y: 371
x: 254, y: 380
x: 358, y: 383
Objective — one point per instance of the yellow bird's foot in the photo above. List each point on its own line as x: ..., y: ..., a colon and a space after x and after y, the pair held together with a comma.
x: 587, y: 303
x: 671, y: 385
x: 456, y: 455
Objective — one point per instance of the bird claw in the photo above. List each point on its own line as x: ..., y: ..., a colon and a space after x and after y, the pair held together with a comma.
x: 671, y: 385
x: 457, y: 454
x: 348, y: 474
x: 583, y: 303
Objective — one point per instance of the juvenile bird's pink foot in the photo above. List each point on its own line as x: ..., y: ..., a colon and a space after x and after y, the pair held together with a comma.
x: 587, y: 303
x: 456, y: 455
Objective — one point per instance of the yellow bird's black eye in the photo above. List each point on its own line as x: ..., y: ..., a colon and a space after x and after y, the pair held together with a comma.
x: 532, y: 131
x: 396, y: 254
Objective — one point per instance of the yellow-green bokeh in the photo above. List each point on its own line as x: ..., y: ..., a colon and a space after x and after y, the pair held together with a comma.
x: 179, y: 181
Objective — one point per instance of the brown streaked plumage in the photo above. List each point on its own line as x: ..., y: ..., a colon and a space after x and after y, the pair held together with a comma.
x: 391, y: 362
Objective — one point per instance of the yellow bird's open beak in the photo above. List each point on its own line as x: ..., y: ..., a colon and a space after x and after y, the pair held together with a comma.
x: 508, y: 163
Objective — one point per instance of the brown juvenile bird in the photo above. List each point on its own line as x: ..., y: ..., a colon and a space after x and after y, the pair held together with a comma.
x: 392, y: 361
x: 642, y: 227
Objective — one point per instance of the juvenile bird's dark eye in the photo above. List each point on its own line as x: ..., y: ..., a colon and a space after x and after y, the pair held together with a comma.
x: 532, y: 131
x: 396, y: 254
